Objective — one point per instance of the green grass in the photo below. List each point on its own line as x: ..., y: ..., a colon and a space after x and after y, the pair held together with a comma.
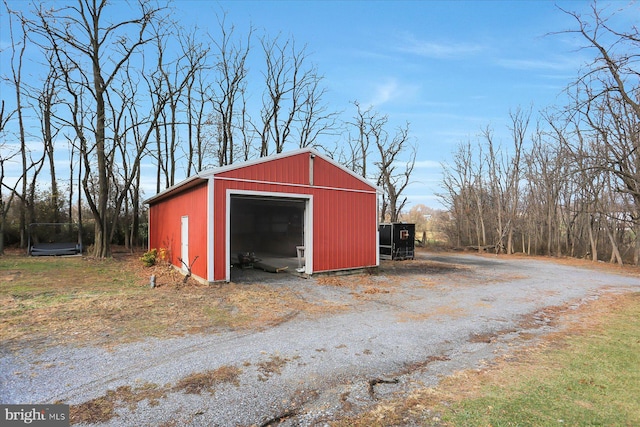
x: 593, y: 380
x: 587, y: 375
x: 47, y: 281
x: 33, y: 275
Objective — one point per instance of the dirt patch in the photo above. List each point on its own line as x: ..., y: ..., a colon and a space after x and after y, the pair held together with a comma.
x: 273, y: 365
x: 392, y: 277
x: 423, y: 364
x: 490, y: 337
x: 351, y: 281
x: 364, y: 286
x: 449, y: 311
x: 416, y: 267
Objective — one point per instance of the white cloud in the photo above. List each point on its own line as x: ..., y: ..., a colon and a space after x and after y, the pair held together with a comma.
x: 440, y: 50
x: 428, y: 164
x: 537, y: 64
x: 385, y: 92
x: 392, y: 90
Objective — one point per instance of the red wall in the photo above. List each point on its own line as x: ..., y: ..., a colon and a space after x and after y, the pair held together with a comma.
x: 164, y: 222
x: 292, y: 169
x: 328, y: 175
x: 345, y: 230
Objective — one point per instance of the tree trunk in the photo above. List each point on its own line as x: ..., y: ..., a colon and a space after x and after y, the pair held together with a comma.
x: 510, y: 241
x: 615, y: 252
x: 593, y: 242
x: 636, y: 252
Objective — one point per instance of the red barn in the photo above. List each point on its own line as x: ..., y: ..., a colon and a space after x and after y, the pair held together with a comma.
x: 272, y: 205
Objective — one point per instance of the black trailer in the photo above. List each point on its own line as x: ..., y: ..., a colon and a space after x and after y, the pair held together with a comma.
x: 397, y: 240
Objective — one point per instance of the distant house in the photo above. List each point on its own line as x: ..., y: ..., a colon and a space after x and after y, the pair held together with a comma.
x: 271, y: 206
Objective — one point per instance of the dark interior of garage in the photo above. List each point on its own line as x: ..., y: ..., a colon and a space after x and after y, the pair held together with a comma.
x: 266, y: 226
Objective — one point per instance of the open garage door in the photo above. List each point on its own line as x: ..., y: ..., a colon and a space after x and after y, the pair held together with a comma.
x: 274, y: 230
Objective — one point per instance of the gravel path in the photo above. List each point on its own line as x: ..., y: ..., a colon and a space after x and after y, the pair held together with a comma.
x: 311, y: 369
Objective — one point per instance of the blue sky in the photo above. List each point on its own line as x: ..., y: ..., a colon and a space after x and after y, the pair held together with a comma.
x: 449, y: 68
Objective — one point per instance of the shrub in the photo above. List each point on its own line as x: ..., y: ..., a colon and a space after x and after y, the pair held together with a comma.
x: 163, y: 254
x: 150, y: 258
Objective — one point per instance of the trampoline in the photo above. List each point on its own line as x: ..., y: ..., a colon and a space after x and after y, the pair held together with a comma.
x: 54, y: 239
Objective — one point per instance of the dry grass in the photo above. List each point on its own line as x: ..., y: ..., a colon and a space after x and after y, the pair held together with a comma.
x: 207, y: 381
x: 102, y: 409
x: 444, y: 312
x: 273, y: 365
x: 351, y: 282
x: 364, y: 286
x: 107, y: 302
x: 539, y: 365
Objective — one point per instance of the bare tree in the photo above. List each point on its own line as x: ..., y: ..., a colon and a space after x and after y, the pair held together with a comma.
x: 505, y: 173
x: 464, y: 160
x: 607, y: 100
x: 544, y: 173
x: 314, y: 117
x: 290, y: 103
x: 47, y: 100
x: 99, y: 52
x: 199, y: 99
x: 231, y: 84
x: 368, y: 125
x: 519, y: 125
x: 198, y: 96
x: 394, y: 172
x: 497, y: 184
x: 465, y: 196
x: 133, y: 128
x: 19, y: 42
x: 6, y: 154
x: 373, y: 146
x: 478, y: 192
x: 172, y: 82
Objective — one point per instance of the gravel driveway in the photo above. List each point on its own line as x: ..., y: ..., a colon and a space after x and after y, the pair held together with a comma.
x: 313, y: 368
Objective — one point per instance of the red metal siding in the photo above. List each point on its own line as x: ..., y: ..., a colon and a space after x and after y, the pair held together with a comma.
x: 328, y: 175
x: 291, y: 169
x: 164, y: 221
x: 344, y: 230
x: 345, y: 223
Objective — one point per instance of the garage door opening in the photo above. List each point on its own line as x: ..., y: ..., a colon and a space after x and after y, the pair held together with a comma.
x: 268, y: 233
